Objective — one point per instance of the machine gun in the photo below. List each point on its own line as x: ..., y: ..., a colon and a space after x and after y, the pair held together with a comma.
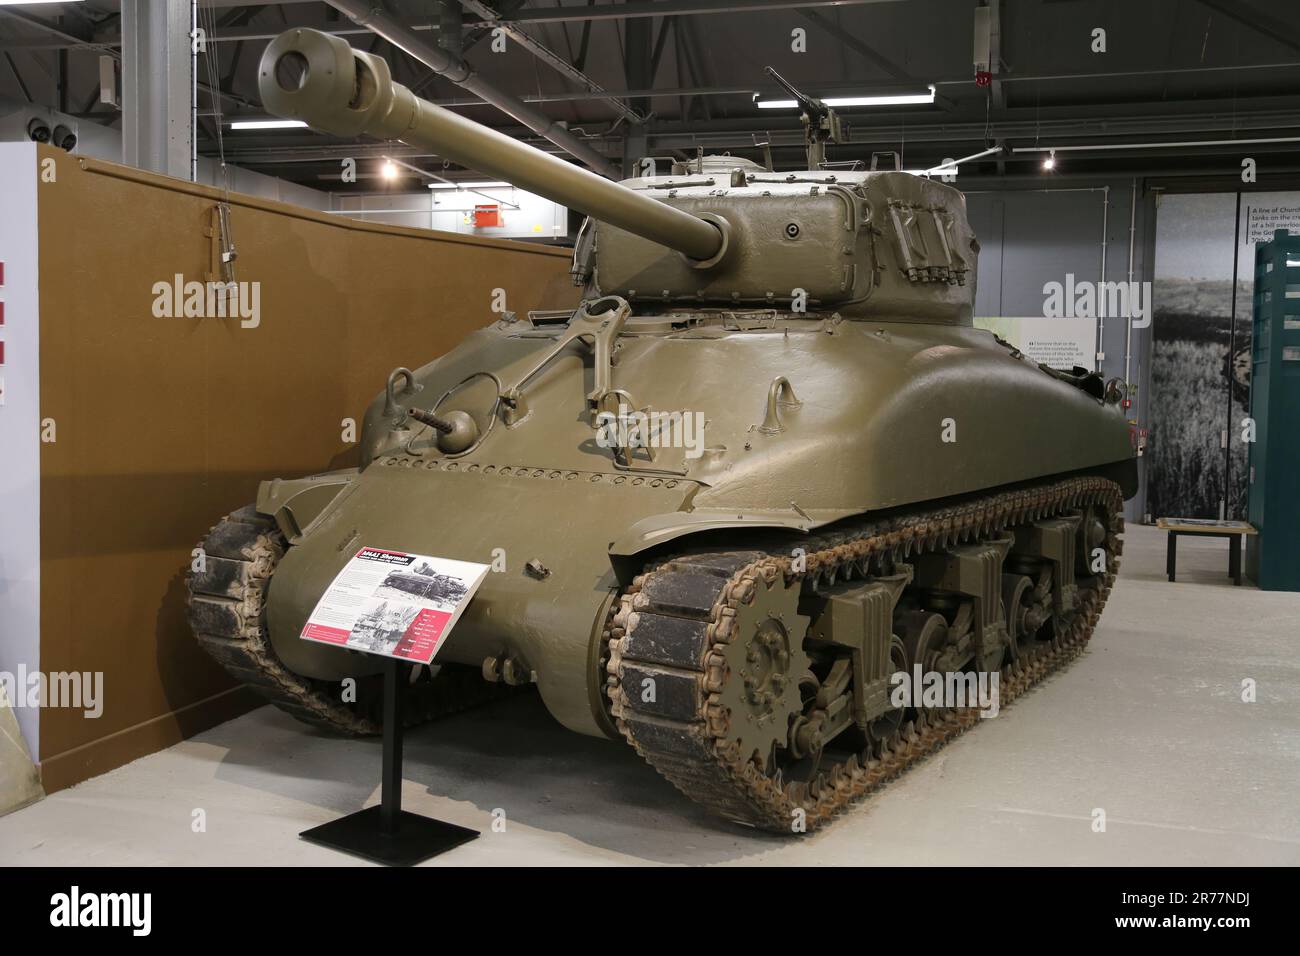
x: 821, y: 124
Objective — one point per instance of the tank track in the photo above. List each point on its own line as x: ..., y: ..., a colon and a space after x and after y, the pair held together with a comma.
x: 687, y: 606
x: 226, y: 613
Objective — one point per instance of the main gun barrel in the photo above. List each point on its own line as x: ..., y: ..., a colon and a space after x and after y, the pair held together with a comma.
x: 318, y: 78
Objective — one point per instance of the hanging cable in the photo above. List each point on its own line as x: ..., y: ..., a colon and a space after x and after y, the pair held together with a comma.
x: 212, y: 63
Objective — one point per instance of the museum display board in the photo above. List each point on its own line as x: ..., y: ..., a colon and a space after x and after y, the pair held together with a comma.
x: 153, y: 426
x: 1201, y: 346
x: 1274, y: 462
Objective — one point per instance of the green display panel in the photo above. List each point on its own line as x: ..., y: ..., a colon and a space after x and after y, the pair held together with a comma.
x: 1273, y: 557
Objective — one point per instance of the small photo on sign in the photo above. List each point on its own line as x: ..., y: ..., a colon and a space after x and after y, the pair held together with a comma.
x: 423, y: 581
x: 394, y: 604
x: 382, y: 626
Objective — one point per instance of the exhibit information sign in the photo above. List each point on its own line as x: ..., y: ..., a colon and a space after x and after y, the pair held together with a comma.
x: 1058, y: 342
x: 394, y: 604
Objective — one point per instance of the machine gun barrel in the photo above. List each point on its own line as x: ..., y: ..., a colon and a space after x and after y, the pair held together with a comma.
x: 810, y: 105
x: 318, y: 78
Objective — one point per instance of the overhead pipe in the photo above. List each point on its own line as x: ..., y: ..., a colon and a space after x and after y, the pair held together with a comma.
x: 381, y: 23
x: 1099, y: 357
x: 1160, y: 145
x: 1132, y: 238
x: 950, y: 165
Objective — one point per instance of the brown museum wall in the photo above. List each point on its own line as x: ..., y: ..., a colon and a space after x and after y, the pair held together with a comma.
x: 164, y: 424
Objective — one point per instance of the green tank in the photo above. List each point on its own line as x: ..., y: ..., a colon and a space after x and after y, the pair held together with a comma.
x: 767, y: 465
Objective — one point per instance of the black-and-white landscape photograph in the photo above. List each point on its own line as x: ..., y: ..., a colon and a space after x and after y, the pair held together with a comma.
x: 1200, y: 361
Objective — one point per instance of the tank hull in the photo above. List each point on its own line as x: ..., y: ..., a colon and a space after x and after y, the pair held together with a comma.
x: 878, y: 416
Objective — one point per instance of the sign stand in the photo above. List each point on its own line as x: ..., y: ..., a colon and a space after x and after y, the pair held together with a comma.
x: 386, y: 833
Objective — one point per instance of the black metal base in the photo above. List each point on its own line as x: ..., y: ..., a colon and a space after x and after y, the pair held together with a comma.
x: 413, y: 840
x: 387, y: 833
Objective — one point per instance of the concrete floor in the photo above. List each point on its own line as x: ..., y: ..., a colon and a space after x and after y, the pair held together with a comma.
x: 1148, y: 725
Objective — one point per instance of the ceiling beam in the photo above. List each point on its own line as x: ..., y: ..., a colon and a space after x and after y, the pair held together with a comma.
x: 857, y: 46
x: 551, y: 59
x: 584, y: 43
x: 685, y: 8
x: 220, y: 4
x: 1263, y: 23
x: 65, y: 37
x: 475, y: 29
x: 459, y: 72
x: 1025, y: 124
x: 1047, y: 132
x: 698, y: 61
x: 1147, y: 129
x: 473, y: 34
x: 830, y: 89
x: 13, y: 67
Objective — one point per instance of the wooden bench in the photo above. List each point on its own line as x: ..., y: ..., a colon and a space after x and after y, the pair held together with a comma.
x: 1206, y: 528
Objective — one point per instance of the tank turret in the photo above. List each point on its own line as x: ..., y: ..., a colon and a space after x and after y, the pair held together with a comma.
x: 720, y: 232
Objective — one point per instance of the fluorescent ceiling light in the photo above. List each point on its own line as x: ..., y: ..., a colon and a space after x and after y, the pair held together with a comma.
x: 901, y: 99
x: 268, y: 124
x: 471, y: 185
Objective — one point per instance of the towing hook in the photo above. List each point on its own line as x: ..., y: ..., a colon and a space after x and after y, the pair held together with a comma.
x: 391, y: 408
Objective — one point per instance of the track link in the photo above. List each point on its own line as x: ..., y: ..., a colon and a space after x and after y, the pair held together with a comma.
x: 227, y: 603
x: 674, y: 620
